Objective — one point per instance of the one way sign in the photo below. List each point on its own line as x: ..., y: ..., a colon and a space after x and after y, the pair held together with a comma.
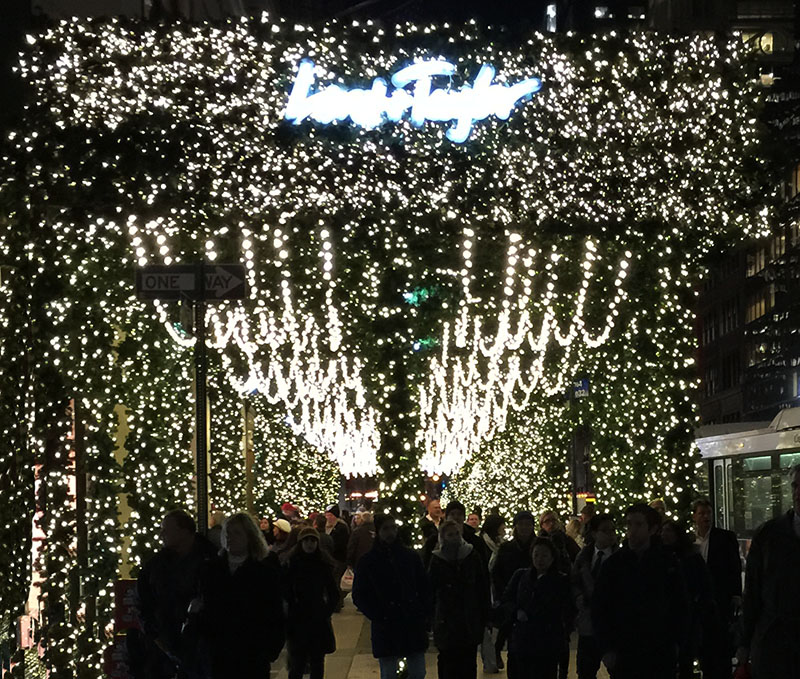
x: 182, y: 281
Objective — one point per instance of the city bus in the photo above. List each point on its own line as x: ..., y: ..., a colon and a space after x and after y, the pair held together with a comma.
x: 748, y: 471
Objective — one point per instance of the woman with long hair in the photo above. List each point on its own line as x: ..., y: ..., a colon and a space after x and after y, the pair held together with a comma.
x: 312, y: 595
x: 539, y: 604
x: 241, y: 616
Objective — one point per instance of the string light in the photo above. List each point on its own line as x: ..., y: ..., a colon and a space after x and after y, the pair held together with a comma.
x: 563, y: 240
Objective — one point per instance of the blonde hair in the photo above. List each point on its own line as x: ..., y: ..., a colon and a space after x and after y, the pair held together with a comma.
x: 257, y: 547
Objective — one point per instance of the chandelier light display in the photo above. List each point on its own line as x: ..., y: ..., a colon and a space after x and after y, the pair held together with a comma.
x: 442, y: 227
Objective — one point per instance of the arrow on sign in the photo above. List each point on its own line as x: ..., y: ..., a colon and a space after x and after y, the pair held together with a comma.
x: 220, y: 282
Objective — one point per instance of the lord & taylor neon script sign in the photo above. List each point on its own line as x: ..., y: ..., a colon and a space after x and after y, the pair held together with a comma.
x: 414, y: 91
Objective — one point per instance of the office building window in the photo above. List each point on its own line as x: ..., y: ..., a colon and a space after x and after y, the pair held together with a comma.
x: 756, y: 261
x: 731, y: 371
x: 777, y: 246
x: 709, y: 328
x: 794, y: 234
x: 729, y: 317
x: 794, y: 183
x: 710, y: 382
x: 760, y: 303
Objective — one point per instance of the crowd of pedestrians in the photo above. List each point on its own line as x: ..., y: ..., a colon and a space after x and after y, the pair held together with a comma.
x: 655, y: 604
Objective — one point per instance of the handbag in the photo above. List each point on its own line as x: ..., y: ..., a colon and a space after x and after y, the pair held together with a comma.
x: 346, y: 583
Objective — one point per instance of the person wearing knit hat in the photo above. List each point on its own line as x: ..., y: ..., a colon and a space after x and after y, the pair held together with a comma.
x: 333, y: 509
x: 311, y: 594
x: 283, y: 540
x: 290, y: 512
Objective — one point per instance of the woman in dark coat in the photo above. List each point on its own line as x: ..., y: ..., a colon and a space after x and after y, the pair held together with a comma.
x: 539, y: 602
x: 391, y: 588
x: 241, y: 610
x: 312, y: 595
x: 460, y: 583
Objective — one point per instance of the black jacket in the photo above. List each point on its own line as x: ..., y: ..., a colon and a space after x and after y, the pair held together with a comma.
x: 311, y: 593
x: 771, y: 612
x: 392, y: 589
x: 725, y: 566
x: 340, y: 534
x: 640, y: 608
x: 566, y: 548
x: 511, y: 557
x: 547, y: 605
x: 166, y: 586
x: 461, y: 599
x: 242, y: 620
x: 360, y: 542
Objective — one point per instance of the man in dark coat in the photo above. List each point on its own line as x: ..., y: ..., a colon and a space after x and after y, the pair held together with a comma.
x: 720, y: 550
x: 167, y: 584
x: 455, y: 511
x: 511, y: 556
x: 771, y: 607
x: 640, y: 607
x: 460, y: 584
x: 429, y: 524
x: 361, y: 540
x: 391, y: 588
x: 585, y: 572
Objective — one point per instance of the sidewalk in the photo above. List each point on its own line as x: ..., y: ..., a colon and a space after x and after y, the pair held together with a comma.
x: 353, y: 658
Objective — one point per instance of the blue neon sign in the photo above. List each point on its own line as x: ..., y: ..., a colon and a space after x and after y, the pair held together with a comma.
x: 369, y: 108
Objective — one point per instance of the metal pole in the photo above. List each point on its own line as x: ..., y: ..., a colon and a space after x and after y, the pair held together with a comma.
x: 201, y: 415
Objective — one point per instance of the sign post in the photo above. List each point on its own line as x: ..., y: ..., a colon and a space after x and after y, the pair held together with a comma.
x: 198, y: 283
x: 578, y: 389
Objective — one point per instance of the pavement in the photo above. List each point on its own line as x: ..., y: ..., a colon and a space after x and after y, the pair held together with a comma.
x: 353, y: 658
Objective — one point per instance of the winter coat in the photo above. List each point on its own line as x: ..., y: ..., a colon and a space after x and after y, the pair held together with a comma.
x: 640, y: 609
x: 242, y: 621
x: 511, y: 557
x: 583, y: 584
x: 546, y: 603
x: 166, y: 586
x: 427, y: 528
x: 566, y: 548
x: 771, y: 606
x: 702, y: 607
x: 340, y: 534
x: 311, y: 594
x: 461, y: 598
x: 361, y: 540
x: 392, y: 589
x: 725, y: 567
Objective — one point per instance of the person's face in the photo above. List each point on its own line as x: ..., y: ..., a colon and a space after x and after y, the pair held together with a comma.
x: 668, y: 535
x: 309, y: 545
x: 264, y: 524
x: 388, y: 531
x: 357, y: 520
x: 637, y: 531
x: 501, y: 530
x: 524, y: 529
x: 172, y: 536
x: 606, y: 535
x: 549, y: 523
x: 796, y: 492
x: 456, y: 515
x: 451, y: 537
x: 435, y: 509
x: 236, y: 539
x: 702, y: 519
x: 330, y: 518
x: 542, y: 558
x: 280, y: 536
x: 474, y: 521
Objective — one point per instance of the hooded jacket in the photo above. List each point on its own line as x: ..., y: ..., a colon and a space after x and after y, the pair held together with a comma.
x: 461, y: 597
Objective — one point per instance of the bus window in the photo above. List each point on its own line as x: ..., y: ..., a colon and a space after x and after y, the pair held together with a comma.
x: 753, y: 498
x: 788, y: 460
x: 719, y: 494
